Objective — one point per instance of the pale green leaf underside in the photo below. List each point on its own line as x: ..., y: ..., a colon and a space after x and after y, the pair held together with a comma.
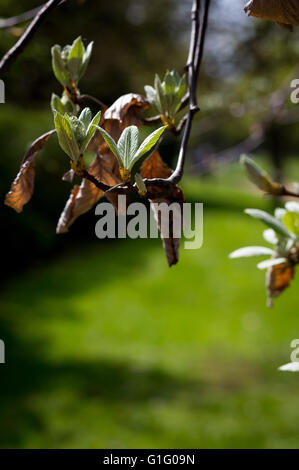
x: 86, y: 59
x: 75, y: 58
x: 59, y: 69
x: 271, y: 221
x: 290, y: 367
x: 270, y: 236
x: 250, y: 251
x: 271, y: 262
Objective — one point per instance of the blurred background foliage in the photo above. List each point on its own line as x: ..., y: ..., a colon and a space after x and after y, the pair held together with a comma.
x: 106, y: 347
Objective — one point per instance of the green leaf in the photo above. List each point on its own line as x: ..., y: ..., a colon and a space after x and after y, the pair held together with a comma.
x: 91, y: 129
x: 86, y: 117
x: 58, y: 66
x: 57, y: 104
x: 169, y: 89
x: 75, y: 59
x: 271, y: 262
x: 176, y: 77
x: 111, y: 143
x: 140, y: 184
x: 63, y: 105
x: 250, y: 251
x: 271, y: 221
x: 259, y: 177
x: 181, y: 91
x: 169, y: 83
x: 86, y: 59
x: 291, y: 221
x: 128, y: 144
x: 66, y: 137
x: 160, y: 94
x: 147, y: 144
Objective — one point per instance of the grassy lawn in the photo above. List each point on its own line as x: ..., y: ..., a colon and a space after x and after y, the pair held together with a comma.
x: 109, y: 348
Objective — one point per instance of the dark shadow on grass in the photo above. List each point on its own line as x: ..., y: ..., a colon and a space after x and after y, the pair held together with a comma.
x: 28, y: 376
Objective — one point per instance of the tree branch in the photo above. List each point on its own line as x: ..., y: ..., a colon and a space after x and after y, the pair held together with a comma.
x: 197, y: 39
x: 286, y: 192
x: 198, y: 33
x: 14, y: 20
x: 20, y: 45
x: 104, y: 187
x: 85, y: 97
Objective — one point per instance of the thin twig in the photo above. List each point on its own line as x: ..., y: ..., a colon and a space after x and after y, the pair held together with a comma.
x: 14, y: 20
x: 92, y: 98
x: 20, y: 45
x: 198, y: 34
x: 104, y: 187
x: 286, y: 192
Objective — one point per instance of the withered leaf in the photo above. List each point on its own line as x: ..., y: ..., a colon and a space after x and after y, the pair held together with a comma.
x: 83, y: 197
x: 283, y: 12
x: 278, y: 279
x: 22, y: 187
x: 154, y: 167
x: 171, y: 244
x: 125, y: 108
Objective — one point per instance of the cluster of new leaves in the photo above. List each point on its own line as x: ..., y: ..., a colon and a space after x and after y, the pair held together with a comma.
x: 282, y: 234
x: 128, y: 150
x: 113, y: 135
x: 70, y: 63
x: 166, y: 96
x: 75, y: 133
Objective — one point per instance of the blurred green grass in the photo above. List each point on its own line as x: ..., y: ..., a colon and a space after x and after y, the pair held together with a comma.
x: 108, y: 347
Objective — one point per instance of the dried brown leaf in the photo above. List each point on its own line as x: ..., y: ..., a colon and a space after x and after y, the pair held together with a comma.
x: 278, y: 279
x: 154, y: 167
x: 88, y: 194
x: 171, y: 244
x: 126, y: 108
x: 283, y: 12
x: 22, y: 187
